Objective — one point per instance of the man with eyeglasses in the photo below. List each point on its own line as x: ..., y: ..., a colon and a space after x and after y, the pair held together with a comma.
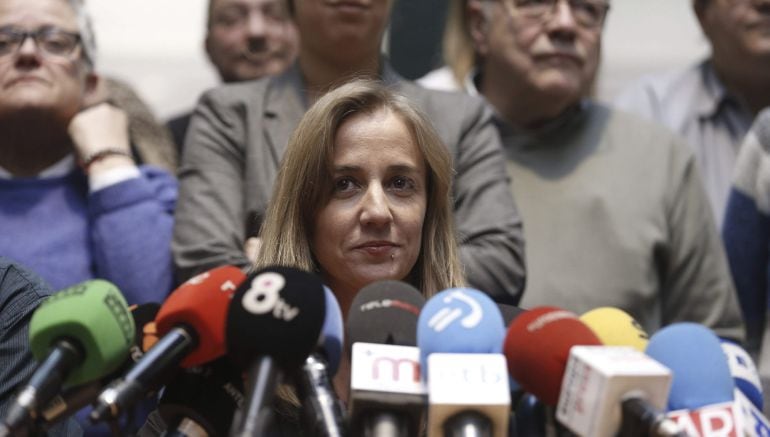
x: 712, y: 104
x: 73, y: 204
x: 245, y: 40
x: 613, y: 211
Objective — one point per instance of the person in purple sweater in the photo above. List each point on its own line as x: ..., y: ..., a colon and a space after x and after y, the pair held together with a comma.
x: 74, y: 205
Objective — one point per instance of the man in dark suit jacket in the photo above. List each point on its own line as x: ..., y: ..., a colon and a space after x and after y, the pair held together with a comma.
x: 239, y: 132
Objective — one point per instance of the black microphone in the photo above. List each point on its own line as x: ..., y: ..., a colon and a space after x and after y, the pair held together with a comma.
x: 202, y: 399
x: 387, y: 396
x: 273, y: 323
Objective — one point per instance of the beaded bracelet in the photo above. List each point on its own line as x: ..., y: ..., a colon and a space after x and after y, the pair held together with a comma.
x: 101, y: 154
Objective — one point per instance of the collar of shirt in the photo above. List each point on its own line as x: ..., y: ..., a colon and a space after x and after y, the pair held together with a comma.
x: 519, y: 137
x: 510, y: 133
x: 716, y: 98
x: 61, y: 168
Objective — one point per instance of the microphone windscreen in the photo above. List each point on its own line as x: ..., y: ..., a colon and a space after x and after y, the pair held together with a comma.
x: 384, y: 312
x: 95, y: 315
x: 537, y: 347
x: 459, y: 320
x: 201, y: 303
x: 330, y: 342
x: 744, y: 373
x: 277, y: 312
x: 615, y: 327
x: 700, y: 372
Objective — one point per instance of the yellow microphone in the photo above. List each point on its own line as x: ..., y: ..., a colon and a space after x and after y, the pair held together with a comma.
x: 615, y: 327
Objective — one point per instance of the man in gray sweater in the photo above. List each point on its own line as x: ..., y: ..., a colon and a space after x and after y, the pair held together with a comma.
x: 613, y: 211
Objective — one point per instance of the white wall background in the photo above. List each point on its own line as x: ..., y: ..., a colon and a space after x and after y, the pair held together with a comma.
x: 156, y: 45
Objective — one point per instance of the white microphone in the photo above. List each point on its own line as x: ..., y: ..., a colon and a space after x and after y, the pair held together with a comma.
x: 468, y: 391
x: 609, y: 387
x: 387, y: 395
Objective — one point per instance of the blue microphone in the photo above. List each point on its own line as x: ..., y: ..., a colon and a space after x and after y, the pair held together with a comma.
x: 460, y: 334
x: 332, y: 333
x: 323, y: 412
x: 459, y: 320
x: 700, y: 372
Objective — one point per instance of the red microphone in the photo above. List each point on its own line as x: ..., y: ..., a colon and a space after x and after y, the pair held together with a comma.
x: 537, y: 347
x: 191, y: 331
x: 201, y: 303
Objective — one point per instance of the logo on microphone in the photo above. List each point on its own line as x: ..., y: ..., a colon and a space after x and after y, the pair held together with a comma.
x: 548, y: 318
x: 198, y: 279
x: 264, y: 297
x: 447, y: 315
x: 75, y: 290
x: 390, y: 303
x: 121, y: 315
x: 381, y: 365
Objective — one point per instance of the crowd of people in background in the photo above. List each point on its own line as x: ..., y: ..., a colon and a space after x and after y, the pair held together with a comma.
x: 657, y: 204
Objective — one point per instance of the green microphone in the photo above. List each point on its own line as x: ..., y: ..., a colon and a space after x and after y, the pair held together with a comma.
x: 77, y: 335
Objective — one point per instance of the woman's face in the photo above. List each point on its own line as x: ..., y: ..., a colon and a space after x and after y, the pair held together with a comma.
x: 371, y: 227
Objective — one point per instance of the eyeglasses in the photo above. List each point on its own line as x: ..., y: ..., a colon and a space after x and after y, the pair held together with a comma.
x: 588, y: 13
x: 51, y: 41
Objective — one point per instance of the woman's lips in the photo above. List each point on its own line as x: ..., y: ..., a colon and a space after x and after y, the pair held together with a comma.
x: 377, y: 248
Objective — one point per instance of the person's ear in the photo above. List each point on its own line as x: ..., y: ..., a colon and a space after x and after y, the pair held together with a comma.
x: 478, y: 25
x: 95, y: 90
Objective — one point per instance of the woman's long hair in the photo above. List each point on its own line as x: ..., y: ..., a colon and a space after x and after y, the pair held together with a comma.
x: 304, y: 184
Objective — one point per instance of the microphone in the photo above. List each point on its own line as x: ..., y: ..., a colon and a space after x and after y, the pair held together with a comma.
x: 324, y: 414
x: 611, y: 390
x: 703, y: 399
x: 77, y: 335
x: 202, y: 399
x: 387, y: 395
x: 72, y: 400
x: 274, y: 319
x: 530, y: 417
x: 190, y: 324
x: 460, y: 334
x: 385, y: 312
x: 615, y: 327
x: 694, y: 355
x: 537, y: 347
x: 744, y: 372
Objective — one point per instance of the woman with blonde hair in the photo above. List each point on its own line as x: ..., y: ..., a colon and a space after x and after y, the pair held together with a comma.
x: 459, y: 53
x: 363, y: 194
